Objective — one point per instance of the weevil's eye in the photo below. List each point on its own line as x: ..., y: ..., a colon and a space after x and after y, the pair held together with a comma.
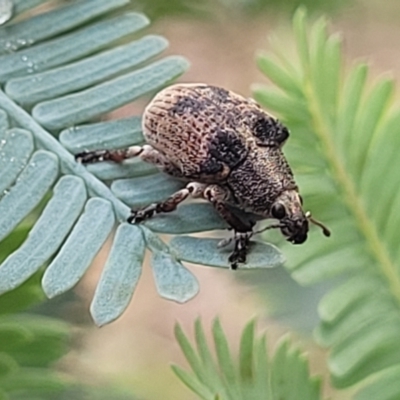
x: 278, y: 211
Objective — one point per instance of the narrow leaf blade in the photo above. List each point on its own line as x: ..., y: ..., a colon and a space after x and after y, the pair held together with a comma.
x: 173, y: 280
x: 69, y: 47
x: 120, y: 275
x: 82, y: 245
x: 206, y: 252
x: 32, y: 185
x: 192, y: 383
x: 133, y: 168
x: 83, y: 106
x: 386, y: 387
x: 225, y: 361
x: 246, y: 352
x: 47, y: 235
x: 16, y: 146
x: 142, y: 191
x: 55, y: 21
x: 188, y: 218
x: 190, y: 354
x: 70, y: 78
x: 103, y: 135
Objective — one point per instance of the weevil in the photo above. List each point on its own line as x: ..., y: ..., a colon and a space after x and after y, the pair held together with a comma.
x: 229, y: 151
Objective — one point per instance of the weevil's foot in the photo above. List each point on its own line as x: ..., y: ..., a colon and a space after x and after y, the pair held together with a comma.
x: 89, y: 157
x: 139, y: 216
x: 239, y: 255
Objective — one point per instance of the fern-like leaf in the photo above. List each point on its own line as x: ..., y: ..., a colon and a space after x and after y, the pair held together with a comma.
x: 29, y: 344
x: 253, y: 376
x: 343, y: 148
x: 59, y: 69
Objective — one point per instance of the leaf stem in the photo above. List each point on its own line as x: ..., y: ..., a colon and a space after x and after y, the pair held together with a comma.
x: 45, y: 140
x: 351, y: 198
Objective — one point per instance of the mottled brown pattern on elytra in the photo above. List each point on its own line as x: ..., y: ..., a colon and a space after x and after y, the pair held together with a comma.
x: 204, y: 130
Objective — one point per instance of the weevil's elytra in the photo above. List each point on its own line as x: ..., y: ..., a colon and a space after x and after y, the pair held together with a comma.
x: 229, y: 151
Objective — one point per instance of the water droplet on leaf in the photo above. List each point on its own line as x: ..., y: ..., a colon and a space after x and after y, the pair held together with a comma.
x: 6, y: 10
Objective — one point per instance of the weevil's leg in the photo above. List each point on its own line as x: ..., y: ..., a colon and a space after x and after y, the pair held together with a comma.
x: 192, y: 189
x: 243, y: 229
x: 239, y: 254
x: 89, y: 157
x: 146, y: 153
x: 218, y: 197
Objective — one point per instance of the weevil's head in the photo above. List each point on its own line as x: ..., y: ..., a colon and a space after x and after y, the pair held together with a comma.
x: 293, y: 221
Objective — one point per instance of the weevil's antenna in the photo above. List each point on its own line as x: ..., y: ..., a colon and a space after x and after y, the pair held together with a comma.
x: 325, y: 230
x: 274, y: 226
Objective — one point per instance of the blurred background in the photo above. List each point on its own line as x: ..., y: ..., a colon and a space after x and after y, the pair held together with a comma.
x: 220, y: 39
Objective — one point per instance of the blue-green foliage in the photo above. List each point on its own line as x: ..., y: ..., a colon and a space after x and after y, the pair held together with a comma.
x: 62, y: 68
x: 28, y: 344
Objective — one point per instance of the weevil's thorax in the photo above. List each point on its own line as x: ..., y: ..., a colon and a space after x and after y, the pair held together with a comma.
x: 264, y: 185
x: 261, y: 179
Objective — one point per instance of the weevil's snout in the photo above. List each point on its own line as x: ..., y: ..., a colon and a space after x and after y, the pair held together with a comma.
x: 293, y: 222
x: 295, y: 229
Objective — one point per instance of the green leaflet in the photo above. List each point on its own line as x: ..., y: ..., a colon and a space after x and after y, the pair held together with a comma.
x: 29, y: 344
x: 385, y: 388
x: 46, y: 339
x: 289, y: 375
x: 7, y: 365
x: 26, y: 295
